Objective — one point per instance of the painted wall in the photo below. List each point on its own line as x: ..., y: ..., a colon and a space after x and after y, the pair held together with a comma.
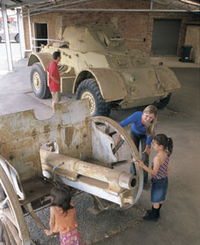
x: 193, y: 38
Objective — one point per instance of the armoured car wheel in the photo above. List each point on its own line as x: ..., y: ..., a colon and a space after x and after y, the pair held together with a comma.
x: 90, y: 90
x: 39, y: 82
x: 163, y: 102
x: 17, y: 38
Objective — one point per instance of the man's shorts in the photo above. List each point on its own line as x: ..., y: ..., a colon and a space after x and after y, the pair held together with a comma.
x: 55, y: 97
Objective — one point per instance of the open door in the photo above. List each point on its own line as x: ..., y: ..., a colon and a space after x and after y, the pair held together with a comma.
x: 165, y: 36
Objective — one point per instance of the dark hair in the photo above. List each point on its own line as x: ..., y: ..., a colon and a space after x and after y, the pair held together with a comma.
x: 166, y: 142
x: 56, y: 55
x: 61, y: 198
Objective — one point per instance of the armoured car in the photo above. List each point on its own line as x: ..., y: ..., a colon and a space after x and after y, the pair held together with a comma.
x: 97, y: 65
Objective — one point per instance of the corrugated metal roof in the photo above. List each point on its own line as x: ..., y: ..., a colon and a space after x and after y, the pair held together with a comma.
x: 41, y: 3
x: 180, y: 4
x: 13, y: 3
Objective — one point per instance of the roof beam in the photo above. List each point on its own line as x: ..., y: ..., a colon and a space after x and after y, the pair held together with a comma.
x: 117, y: 10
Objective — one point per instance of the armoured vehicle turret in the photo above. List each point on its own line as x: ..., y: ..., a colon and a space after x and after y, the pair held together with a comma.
x: 96, y: 64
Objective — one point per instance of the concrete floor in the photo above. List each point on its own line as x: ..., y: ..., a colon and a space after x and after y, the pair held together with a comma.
x: 180, y: 215
x: 15, y: 48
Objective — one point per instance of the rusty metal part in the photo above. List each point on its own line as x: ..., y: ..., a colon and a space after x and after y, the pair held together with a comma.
x: 8, y: 232
x: 89, y: 143
x: 105, y: 133
x: 73, y: 168
x: 30, y: 210
x: 119, y: 144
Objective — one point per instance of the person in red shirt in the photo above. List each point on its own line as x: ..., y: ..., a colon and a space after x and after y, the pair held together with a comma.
x: 54, y: 78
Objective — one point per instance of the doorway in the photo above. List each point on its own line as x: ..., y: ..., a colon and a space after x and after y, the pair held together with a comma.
x: 165, y: 36
x: 41, y: 33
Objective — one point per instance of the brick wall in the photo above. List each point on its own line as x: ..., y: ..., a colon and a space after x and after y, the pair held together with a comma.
x: 136, y: 27
x: 53, y: 20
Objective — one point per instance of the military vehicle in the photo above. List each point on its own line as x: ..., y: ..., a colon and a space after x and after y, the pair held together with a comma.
x: 98, y: 66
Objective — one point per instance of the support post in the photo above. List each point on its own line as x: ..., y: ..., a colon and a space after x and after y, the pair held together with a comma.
x: 30, y: 31
x: 21, y: 32
x: 7, y: 38
x: 151, y: 5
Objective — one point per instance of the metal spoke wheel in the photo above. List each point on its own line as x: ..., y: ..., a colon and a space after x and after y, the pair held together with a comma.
x: 124, y: 153
x: 12, y: 222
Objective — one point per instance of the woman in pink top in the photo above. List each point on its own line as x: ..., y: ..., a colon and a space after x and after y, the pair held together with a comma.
x: 163, y: 147
x: 63, y: 217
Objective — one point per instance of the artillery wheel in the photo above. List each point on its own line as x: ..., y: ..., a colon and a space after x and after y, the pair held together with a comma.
x: 88, y: 89
x: 163, y: 102
x: 38, y: 79
x: 125, y: 153
x: 12, y: 219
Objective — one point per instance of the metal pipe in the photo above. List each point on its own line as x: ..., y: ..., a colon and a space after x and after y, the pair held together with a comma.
x: 49, y: 40
x: 72, y: 168
x: 120, y: 10
x: 98, y: 188
x: 190, y: 2
x: 131, y: 10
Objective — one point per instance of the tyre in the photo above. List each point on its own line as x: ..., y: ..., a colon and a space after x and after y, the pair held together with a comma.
x: 17, y: 38
x: 90, y: 90
x: 0, y: 39
x: 163, y: 102
x: 38, y: 79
